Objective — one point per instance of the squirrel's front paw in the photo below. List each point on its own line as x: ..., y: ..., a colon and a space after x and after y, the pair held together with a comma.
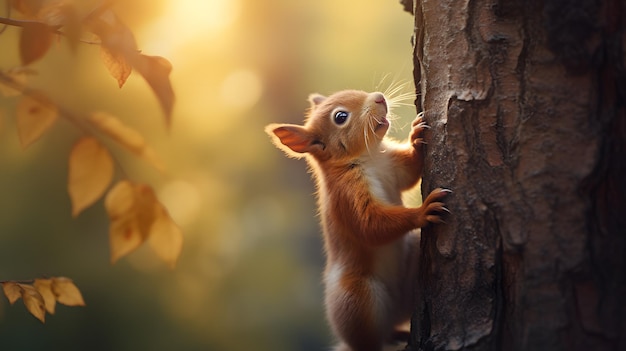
x: 417, y: 131
x: 432, y: 208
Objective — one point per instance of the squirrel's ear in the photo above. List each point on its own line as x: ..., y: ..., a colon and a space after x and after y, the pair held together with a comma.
x: 316, y: 99
x: 293, y: 139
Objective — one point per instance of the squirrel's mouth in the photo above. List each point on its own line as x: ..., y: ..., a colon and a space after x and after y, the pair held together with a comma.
x: 382, y: 123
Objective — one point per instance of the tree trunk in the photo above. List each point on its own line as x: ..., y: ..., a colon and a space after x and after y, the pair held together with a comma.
x: 525, y: 100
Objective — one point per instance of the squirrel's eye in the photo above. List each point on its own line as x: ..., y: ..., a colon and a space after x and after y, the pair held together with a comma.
x: 340, y: 117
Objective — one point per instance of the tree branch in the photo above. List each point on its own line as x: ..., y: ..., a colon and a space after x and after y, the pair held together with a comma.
x: 54, y: 29
x: 63, y: 112
x: 9, y: 81
x: 8, y: 13
x: 24, y: 23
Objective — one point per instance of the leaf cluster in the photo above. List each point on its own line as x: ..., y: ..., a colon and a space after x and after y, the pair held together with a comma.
x: 135, y: 212
x: 43, y: 21
x: 41, y: 295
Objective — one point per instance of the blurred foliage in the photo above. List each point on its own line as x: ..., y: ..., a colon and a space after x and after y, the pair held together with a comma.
x: 248, y: 277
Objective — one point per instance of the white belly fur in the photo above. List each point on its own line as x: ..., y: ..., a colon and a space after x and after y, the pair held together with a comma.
x: 379, y: 171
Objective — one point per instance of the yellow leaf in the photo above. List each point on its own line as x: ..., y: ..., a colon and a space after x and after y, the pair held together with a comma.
x: 120, y: 199
x: 119, y: 48
x: 12, y: 291
x: 66, y: 292
x: 156, y: 71
x: 44, y: 286
x: 146, y: 207
x: 166, y: 238
x: 124, y: 234
x: 117, y: 65
x: 118, y: 40
x: 34, y: 117
x: 34, y: 302
x: 35, y: 40
x: 131, y: 209
x: 127, y: 137
x: 124, y: 238
x: 90, y: 172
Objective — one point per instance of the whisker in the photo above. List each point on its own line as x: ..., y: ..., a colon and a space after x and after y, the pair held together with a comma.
x: 366, y: 135
x: 402, y: 98
x: 397, y: 98
x: 393, y: 89
x: 367, y: 145
x: 380, y: 83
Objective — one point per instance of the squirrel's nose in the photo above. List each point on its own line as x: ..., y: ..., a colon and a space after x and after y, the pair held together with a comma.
x: 379, y: 98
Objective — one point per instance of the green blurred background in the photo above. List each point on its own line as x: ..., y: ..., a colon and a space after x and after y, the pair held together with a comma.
x: 249, y: 274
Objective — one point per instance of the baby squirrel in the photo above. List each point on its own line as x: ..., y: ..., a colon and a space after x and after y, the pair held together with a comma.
x: 370, y: 247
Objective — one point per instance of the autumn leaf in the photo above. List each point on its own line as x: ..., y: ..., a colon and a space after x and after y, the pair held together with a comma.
x: 90, y: 173
x: 117, y: 65
x: 119, y: 48
x: 59, y: 289
x: 121, y: 53
x: 44, y: 286
x: 66, y: 292
x: 35, y: 40
x: 136, y: 216
x: 124, y: 238
x: 33, y: 301
x: 34, y: 117
x: 12, y: 291
x: 156, y: 71
x: 131, y: 210
x: 43, y: 295
x: 127, y: 137
x: 166, y: 238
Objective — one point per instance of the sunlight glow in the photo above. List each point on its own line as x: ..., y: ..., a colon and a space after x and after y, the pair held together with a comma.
x: 241, y: 89
x: 187, y: 21
x: 194, y: 17
x: 182, y: 199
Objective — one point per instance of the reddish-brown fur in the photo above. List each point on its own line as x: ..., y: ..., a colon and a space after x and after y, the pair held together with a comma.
x: 371, y: 251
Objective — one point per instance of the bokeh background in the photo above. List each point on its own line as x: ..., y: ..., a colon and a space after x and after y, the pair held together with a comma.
x: 249, y: 274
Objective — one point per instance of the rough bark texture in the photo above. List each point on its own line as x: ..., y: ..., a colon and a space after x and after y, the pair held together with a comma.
x: 526, y: 104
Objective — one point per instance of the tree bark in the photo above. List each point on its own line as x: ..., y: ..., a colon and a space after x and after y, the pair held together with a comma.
x: 525, y: 100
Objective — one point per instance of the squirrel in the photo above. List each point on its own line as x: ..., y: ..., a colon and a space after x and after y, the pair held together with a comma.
x: 370, y: 238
